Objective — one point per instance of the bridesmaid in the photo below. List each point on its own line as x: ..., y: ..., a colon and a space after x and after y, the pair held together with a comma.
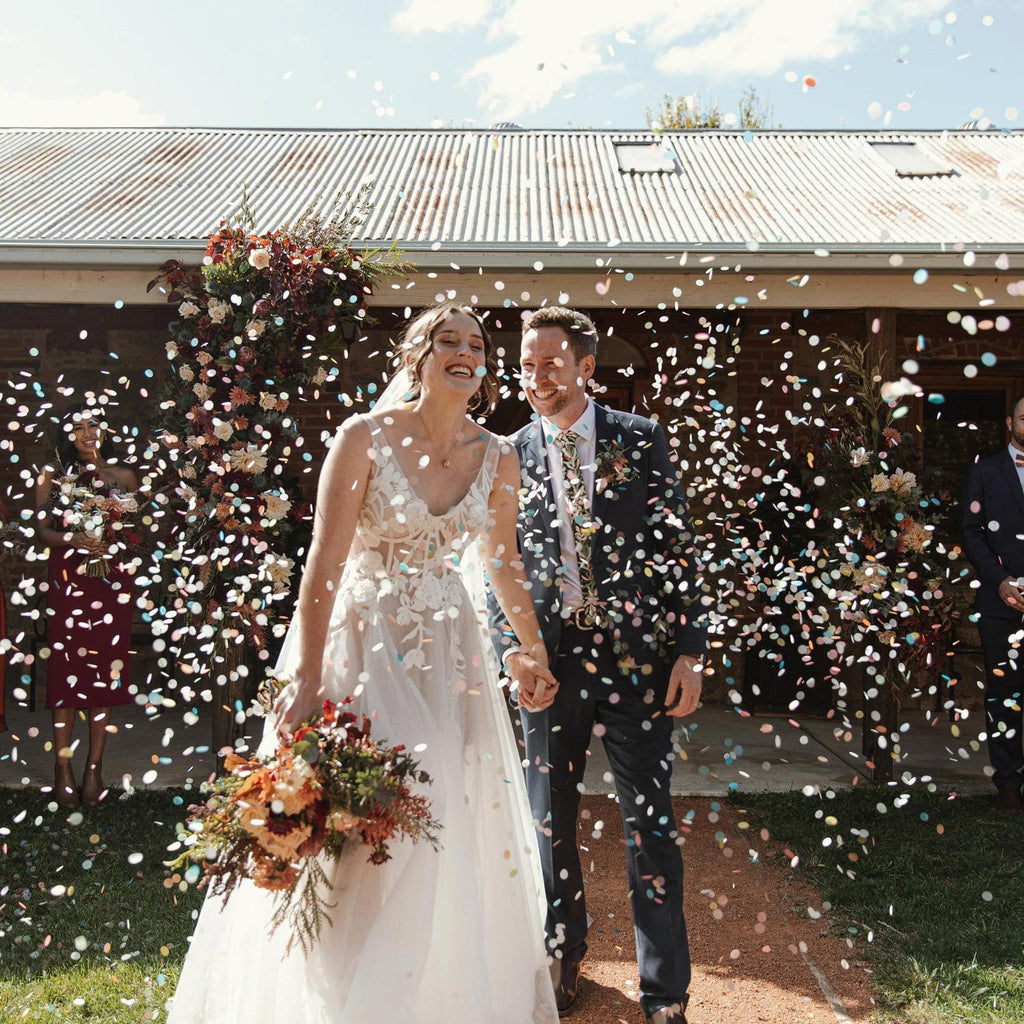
x: 89, y: 619
x: 3, y: 633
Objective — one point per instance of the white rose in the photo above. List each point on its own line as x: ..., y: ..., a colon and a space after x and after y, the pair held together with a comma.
x: 267, y: 400
x: 259, y: 258
x: 187, y: 309
x: 202, y: 358
x: 254, y: 329
x: 218, y: 310
x: 186, y: 374
x: 221, y: 430
x: 172, y: 349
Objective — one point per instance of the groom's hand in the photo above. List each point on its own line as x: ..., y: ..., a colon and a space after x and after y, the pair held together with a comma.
x: 684, y: 686
x: 535, y: 685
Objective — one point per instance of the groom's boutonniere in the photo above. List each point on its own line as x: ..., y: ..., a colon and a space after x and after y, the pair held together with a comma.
x: 613, y: 468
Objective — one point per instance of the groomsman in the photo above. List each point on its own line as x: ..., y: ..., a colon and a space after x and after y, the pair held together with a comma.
x: 607, y: 549
x: 992, y: 524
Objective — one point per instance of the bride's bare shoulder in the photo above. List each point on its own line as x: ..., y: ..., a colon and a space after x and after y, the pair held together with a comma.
x: 507, y: 468
x: 500, y: 441
x: 352, y: 440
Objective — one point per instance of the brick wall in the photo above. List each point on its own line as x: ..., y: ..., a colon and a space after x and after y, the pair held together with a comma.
x: 764, y: 365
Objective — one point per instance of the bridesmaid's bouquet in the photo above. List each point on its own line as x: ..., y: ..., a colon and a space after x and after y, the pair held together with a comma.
x: 275, y: 820
x: 101, y: 514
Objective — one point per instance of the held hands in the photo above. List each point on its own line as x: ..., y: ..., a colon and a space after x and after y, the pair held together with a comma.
x: 1011, y: 595
x: 536, y: 686
x: 684, y: 686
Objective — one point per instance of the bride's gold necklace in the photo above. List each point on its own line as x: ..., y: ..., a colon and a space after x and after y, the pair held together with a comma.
x: 446, y: 461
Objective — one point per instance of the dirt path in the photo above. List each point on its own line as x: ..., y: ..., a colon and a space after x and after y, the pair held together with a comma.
x: 750, y: 948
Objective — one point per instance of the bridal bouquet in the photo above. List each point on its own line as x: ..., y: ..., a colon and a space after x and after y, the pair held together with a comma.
x: 273, y: 820
x: 102, y: 515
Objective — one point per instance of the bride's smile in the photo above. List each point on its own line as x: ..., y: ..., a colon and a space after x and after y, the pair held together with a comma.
x: 457, y: 355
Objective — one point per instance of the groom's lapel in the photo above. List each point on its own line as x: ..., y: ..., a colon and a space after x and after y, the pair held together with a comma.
x: 1009, y: 471
x: 540, y: 498
x: 606, y: 429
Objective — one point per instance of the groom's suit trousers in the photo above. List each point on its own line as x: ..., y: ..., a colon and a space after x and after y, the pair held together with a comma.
x: 596, y: 701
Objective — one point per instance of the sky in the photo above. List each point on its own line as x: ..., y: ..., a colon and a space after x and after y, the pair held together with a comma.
x: 540, y: 63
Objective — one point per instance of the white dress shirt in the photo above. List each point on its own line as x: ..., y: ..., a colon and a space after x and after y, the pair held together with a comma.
x: 586, y: 429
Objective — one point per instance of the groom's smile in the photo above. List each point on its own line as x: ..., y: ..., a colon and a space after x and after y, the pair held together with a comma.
x: 552, y: 378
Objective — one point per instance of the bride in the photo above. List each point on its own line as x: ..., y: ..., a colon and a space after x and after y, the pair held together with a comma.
x: 384, y: 613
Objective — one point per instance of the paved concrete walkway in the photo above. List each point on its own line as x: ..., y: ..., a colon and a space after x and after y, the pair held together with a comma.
x: 718, y: 749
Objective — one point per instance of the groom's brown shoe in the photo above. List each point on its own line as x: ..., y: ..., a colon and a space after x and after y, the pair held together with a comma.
x: 565, y: 977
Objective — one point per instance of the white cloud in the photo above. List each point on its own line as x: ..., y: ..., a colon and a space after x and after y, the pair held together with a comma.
x: 20, y: 109
x: 440, y: 15
x: 760, y: 37
x: 722, y: 41
x: 525, y: 77
x: 626, y: 92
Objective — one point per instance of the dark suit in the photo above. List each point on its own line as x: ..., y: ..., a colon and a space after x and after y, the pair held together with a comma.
x: 613, y: 682
x: 992, y: 524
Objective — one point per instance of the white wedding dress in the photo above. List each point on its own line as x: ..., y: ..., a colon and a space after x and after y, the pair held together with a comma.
x: 448, y: 936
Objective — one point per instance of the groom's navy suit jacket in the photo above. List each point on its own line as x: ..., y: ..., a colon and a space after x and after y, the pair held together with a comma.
x: 644, y: 564
x: 992, y: 526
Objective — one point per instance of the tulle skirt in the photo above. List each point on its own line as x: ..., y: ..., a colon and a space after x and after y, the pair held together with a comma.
x: 447, y: 936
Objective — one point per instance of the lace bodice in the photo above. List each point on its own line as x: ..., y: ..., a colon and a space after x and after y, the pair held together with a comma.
x: 403, y: 548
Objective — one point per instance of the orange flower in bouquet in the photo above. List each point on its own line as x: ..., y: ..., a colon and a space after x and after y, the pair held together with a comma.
x: 275, y: 821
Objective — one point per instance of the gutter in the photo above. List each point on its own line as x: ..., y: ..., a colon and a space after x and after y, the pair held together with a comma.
x: 465, y: 258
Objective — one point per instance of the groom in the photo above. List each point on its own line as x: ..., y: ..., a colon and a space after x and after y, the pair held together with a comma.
x: 604, y: 538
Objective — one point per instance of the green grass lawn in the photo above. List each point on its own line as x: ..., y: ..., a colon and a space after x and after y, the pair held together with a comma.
x: 90, y: 927
x: 932, y: 888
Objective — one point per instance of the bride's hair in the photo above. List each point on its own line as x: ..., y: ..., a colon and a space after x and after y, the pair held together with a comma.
x: 417, y: 339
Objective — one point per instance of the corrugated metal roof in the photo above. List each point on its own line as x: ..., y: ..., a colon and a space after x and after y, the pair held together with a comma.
x: 517, y: 189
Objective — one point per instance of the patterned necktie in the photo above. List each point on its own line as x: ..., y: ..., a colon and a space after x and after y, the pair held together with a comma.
x: 1019, y: 460
x: 579, y: 508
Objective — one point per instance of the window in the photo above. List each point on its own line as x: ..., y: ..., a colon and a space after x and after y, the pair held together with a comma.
x: 911, y: 162
x: 645, y: 157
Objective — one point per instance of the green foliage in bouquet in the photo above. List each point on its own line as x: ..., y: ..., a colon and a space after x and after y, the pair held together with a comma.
x: 275, y: 821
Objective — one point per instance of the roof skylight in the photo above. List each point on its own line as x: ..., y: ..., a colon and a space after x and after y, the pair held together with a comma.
x: 645, y: 157
x: 911, y: 162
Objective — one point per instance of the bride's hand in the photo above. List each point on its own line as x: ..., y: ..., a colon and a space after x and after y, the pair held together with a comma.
x: 295, y: 704
x: 536, y: 685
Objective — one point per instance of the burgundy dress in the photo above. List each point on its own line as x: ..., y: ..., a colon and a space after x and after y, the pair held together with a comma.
x: 88, y: 631
x: 3, y: 661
